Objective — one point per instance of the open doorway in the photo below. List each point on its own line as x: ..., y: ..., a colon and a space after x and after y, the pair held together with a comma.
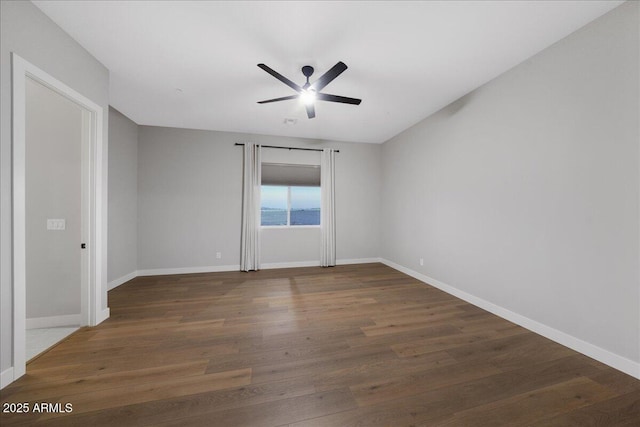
x: 55, y: 227
x: 59, y: 252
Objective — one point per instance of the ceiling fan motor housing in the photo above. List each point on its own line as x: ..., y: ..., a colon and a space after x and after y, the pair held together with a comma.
x: 307, y: 71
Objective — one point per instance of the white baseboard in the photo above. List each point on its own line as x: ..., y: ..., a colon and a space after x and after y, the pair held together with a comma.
x: 6, y: 377
x: 272, y: 265
x: 124, y: 279
x: 103, y: 315
x: 615, y: 361
x: 357, y: 261
x: 222, y: 268
x: 188, y: 270
x: 54, y: 321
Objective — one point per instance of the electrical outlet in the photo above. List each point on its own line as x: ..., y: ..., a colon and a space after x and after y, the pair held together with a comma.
x: 218, y: 255
x: 421, y: 261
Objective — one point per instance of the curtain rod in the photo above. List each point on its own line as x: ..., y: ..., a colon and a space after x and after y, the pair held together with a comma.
x: 288, y: 148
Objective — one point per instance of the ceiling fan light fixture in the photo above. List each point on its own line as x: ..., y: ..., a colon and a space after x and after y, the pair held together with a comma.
x: 308, y: 96
x: 309, y: 93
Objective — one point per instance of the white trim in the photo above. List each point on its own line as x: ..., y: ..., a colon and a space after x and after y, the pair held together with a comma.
x: 102, y: 315
x: 121, y: 280
x: 188, y: 270
x: 96, y: 203
x: 288, y: 203
x: 54, y: 321
x: 615, y: 361
x: 287, y: 227
x: 295, y: 264
x: 19, y: 77
x: 273, y: 265
x: 6, y: 377
x: 358, y: 261
x: 85, y: 216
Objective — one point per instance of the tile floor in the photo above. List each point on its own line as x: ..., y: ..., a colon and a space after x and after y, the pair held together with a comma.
x: 38, y: 340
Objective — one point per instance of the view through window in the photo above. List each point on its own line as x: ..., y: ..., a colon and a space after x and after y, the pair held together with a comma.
x: 289, y: 205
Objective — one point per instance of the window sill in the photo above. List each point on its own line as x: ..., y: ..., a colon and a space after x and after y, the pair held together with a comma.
x: 280, y: 227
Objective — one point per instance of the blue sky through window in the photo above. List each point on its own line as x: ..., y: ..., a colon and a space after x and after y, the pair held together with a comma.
x: 275, y: 197
x: 305, y: 197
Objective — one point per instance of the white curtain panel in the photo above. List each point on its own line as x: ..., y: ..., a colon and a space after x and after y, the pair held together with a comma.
x: 327, y: 209
x: 250, y: 236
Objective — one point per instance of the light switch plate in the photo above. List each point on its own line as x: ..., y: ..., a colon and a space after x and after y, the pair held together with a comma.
x: 56, y: 224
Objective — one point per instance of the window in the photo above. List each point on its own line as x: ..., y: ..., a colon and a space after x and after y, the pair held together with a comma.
x: 289, y: 206
x: 290, y: 195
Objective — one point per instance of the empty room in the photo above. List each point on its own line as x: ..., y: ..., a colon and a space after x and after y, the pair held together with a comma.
x: 320, y: 213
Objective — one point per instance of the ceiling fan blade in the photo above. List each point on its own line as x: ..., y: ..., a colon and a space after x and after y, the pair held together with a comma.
x: 311, y: 111
x: 336, y: 98
x: 284, y: 98
x: 328, y: 77
x: 280, y: 77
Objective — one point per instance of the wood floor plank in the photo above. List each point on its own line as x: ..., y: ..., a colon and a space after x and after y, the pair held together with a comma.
x: 276, y: 413
x: 259, y: 359
x: 365, y: 373
x: 155, y: 390
x: 439, y: 343
x: 615, y: 380
x: 155, y: 412
x: 441, y: 403
x: 52, y: 390
x: 428, y: 331
x: 388, y: 389
x: 312, y: 366
x: 512, y: 351
x: 407, y: 324
x: 353, y: 345
x: 620, y: 411
x: 526, y: 408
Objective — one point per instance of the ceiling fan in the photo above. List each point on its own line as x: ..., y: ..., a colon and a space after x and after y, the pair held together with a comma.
x: 310, y: 92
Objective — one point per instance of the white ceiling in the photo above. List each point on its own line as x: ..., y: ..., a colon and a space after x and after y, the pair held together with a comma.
x: 406, y: 59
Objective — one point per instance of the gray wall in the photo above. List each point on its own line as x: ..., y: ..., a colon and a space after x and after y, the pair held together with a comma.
x: 123, y: 196
x: 525, y: 192
x: 53, y: 190
x: 190, y: 197
x: 28, y: 32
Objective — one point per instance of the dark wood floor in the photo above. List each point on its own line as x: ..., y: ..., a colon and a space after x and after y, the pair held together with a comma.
x: 352, y: 345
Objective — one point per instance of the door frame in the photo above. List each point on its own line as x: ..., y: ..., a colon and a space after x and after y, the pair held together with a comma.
x: 93, y: 189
